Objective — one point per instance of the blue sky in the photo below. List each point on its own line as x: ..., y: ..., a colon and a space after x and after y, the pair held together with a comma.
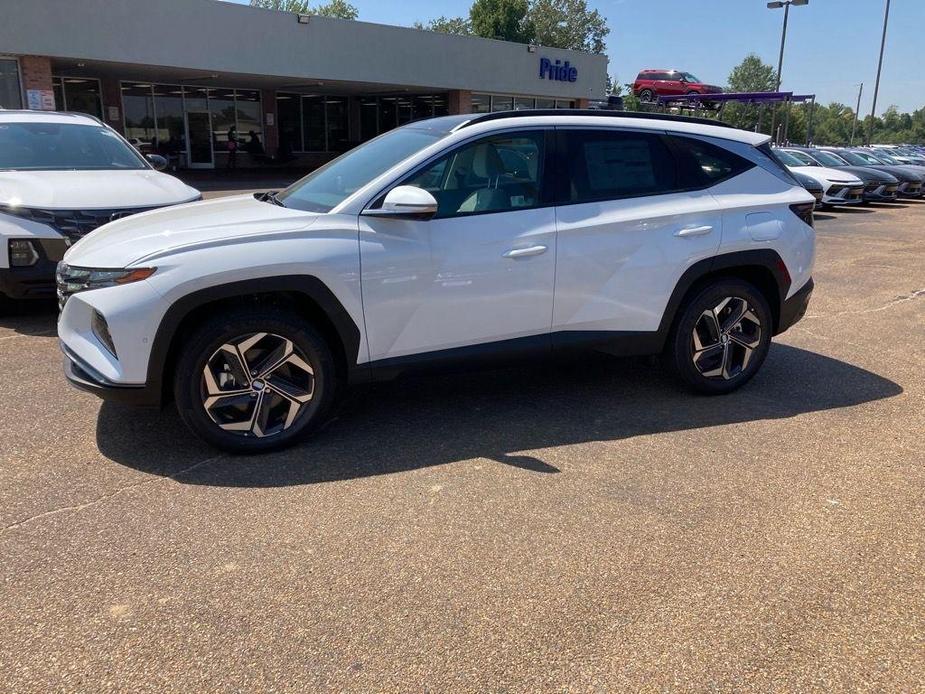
x: 832, y: 45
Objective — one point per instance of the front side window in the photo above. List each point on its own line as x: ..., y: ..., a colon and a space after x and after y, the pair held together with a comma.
x: 64, y: 146
x: 500, y: 173
x: 608, y: 165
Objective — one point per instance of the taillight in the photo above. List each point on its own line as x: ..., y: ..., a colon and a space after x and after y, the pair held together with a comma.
x: 804, y: 210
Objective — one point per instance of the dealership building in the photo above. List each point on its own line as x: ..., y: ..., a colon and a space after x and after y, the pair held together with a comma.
x: 183, y: 77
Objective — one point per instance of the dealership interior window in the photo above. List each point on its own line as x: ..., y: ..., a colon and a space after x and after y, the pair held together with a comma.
x: 481, y: 103
x: 250, y: 130
x: 138, y: 107
x: 170, y: 138
x: 78, y: 94
x: 369, y: 117
x: 289, y: 123
x: 10, y: 91
x: 221, y: 106
x: 337, y: 124
x: 545, y: 103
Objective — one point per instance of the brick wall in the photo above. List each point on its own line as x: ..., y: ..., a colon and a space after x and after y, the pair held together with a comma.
x: 36, y: 74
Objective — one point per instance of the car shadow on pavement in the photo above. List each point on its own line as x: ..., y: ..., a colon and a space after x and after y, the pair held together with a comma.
x: 499, y: 415
x: 34, y: 317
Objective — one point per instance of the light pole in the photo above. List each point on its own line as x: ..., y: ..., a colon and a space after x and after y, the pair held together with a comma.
x: 873, y: 108
x: 776, y: 5
x: 856, y: 111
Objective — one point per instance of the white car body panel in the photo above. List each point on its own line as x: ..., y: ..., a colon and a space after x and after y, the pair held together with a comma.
x: 749, y: 214
x: 619, y: 260
x: 444, y: 283
x: 92, y: 190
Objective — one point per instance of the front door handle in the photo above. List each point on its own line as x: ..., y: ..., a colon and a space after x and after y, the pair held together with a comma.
x: 694, y: 231
x: 524, y: 252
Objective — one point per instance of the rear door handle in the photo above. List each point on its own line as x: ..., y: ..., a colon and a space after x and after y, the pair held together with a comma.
x: 524, y: 252
x: 694, y: 231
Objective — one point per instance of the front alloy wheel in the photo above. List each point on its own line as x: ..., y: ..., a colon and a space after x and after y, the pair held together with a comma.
x: 254, y: 379
x: 256, y: 385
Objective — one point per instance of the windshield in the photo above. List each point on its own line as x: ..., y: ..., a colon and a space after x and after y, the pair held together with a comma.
x: 787, y: 159
x: 804, y: 159
x: 828, y: 159
x: 886, y: 158
x: 67, y: 146
x: 325, y: 188
x: 858, y: 159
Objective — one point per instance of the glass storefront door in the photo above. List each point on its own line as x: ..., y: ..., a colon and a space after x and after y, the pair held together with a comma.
x: 199, y: 137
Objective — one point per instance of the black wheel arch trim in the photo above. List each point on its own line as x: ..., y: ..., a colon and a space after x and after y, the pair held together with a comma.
x: 307, y: 285
x: 764, y: 257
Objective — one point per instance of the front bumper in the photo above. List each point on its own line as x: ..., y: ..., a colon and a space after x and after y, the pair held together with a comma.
x: 842, y: 194
x: 36, y: 281
x: 910, y: 189
x: 882, y: 192
x: 84, y: 377
x: 794, y: 308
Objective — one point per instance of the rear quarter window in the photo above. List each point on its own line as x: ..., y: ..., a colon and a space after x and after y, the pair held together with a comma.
x: 703, y: 164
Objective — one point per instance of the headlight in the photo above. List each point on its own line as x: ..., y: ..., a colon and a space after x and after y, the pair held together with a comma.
x: 23, y: 253
x: 71, y: 280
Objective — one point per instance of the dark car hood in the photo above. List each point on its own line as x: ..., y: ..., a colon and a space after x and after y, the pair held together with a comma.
x: 899, y: 172
x: 868, y: 174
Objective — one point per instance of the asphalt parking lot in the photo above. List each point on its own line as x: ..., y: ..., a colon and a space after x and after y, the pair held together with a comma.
x: 571, y: 527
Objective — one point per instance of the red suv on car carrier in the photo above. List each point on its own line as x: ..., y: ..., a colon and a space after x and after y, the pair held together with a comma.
x: 650, y: 84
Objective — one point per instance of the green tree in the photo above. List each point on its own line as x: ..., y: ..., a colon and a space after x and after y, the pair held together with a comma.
x: 447, y: 25
x: 339, y: 9
x: 502, y: 19
x: 751, y: 75
x: 553, y: 23
x: 568, y: 24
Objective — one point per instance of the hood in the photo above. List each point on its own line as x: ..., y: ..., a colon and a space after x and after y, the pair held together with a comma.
x: 827, y: 174
x: 869, y: 175
x: 900, y: 172
x: 92, y: 190
x: 150, y: 235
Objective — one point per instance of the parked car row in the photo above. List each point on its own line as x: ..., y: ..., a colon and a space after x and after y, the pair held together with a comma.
x: 854, y: 176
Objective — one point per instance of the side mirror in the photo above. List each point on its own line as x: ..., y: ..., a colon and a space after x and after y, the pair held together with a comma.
x: 406, y: 202
x: 157, y: 161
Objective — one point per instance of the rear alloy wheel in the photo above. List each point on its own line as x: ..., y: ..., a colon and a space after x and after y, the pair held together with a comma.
x: 646, y: 96
x: 254, y: 383
x: 722, y: 337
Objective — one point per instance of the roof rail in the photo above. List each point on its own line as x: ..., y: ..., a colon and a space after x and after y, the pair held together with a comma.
x: 629, y: 115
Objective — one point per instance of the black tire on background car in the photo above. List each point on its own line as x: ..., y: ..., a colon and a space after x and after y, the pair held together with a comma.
x: 647, y: 96
x: 250, y: 381
x: 721, y: 337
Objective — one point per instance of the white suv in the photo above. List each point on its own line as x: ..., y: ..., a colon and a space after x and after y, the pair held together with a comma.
x: 61, y: 176
x: 481, y: 237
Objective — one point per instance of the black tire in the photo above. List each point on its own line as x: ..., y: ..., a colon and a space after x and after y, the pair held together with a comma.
x: 233, y: 327
x: 737, y: 362
x: 646, y: 96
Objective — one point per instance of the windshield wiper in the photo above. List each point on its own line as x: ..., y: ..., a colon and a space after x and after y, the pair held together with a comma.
x: 271, y: 198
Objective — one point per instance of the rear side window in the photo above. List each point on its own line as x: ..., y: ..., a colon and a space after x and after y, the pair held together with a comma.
x: 704, y: 164
x: 607, y: 165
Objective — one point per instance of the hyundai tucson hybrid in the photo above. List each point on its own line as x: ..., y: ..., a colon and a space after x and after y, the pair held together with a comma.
x: 840, y: 187
x: 879, y: 186
x: 487, y: 238
x: 61, y: 176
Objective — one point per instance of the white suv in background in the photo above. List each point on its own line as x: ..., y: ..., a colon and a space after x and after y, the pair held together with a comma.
x: 839, y: 187
x: 61, y: 176
x: 465, y: 237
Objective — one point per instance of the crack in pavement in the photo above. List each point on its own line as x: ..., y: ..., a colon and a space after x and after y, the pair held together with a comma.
x: 104, y: 497
x: 888, y: 305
